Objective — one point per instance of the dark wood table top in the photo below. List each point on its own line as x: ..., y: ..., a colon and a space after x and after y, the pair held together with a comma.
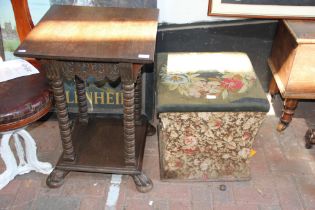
x: 99, y: 34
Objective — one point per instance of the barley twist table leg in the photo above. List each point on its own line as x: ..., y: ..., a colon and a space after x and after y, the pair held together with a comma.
x: 64, y: 124
x: 55, y: 179
x: 83, y: 108
x: 129, y: 124
x: 138, y: 100
x: 143, y: 183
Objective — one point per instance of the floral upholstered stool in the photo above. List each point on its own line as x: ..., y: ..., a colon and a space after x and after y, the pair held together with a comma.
x: 210, y: 107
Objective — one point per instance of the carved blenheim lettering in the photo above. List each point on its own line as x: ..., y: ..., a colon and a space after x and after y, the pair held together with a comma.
x: 89, y: 97
x: 118, y: 95
x: 68, y: 98
x: 97, y: 98
x: 109, y: 98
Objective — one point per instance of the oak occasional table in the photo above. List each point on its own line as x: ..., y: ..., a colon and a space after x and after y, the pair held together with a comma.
x: 293, y: 65
x: 74, y: 42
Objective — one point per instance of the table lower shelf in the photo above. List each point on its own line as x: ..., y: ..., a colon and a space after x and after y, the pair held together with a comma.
x: 99, y: 147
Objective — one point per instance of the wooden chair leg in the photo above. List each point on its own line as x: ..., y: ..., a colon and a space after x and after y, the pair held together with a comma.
x: 273, y: 88
x: 287, y: 113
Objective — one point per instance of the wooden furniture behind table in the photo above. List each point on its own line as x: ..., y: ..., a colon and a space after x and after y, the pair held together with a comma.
x: 24, y: 23
x: 293, y: 65
x: 74, y: 42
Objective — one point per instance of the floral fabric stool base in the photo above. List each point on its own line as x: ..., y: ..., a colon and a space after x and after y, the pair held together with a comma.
x: 210, y: 107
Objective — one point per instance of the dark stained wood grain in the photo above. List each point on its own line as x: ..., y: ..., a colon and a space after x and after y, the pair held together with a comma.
x: 93, y: 34
x: 99, y: 143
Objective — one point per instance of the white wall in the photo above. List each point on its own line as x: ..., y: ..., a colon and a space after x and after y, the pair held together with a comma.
x: 184, y: 11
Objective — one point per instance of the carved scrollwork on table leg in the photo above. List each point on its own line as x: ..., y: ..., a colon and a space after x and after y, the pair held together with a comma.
x: 83, y: 108
x: 53, y: 73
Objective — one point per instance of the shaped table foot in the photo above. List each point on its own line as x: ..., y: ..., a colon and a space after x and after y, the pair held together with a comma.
x: 143, y: 183
x: 151, y: 130
x: 56, y: 178
x: 309, y: 138
x: 281, y: 126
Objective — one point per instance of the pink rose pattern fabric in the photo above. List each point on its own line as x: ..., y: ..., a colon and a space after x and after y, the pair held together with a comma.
x: 200, y: 85
x: 208, y: 145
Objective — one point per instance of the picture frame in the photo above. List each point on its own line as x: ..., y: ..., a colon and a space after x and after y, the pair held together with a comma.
x: 277, y: 9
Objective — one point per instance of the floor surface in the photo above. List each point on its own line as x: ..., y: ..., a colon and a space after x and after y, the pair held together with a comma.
x: 283, y: 177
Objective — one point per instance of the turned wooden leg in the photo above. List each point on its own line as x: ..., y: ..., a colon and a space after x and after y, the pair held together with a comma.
x: 83, y: 108
x: 54, y: 74
x: 64, y: 123
x: 129, y: 77
x: 309, y: 138
x: 55, y: 179
x: 129, y: 124
x: 273, y: 88
x: 287, y: 113
x: 143, y: 183
x: 138, y: 101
